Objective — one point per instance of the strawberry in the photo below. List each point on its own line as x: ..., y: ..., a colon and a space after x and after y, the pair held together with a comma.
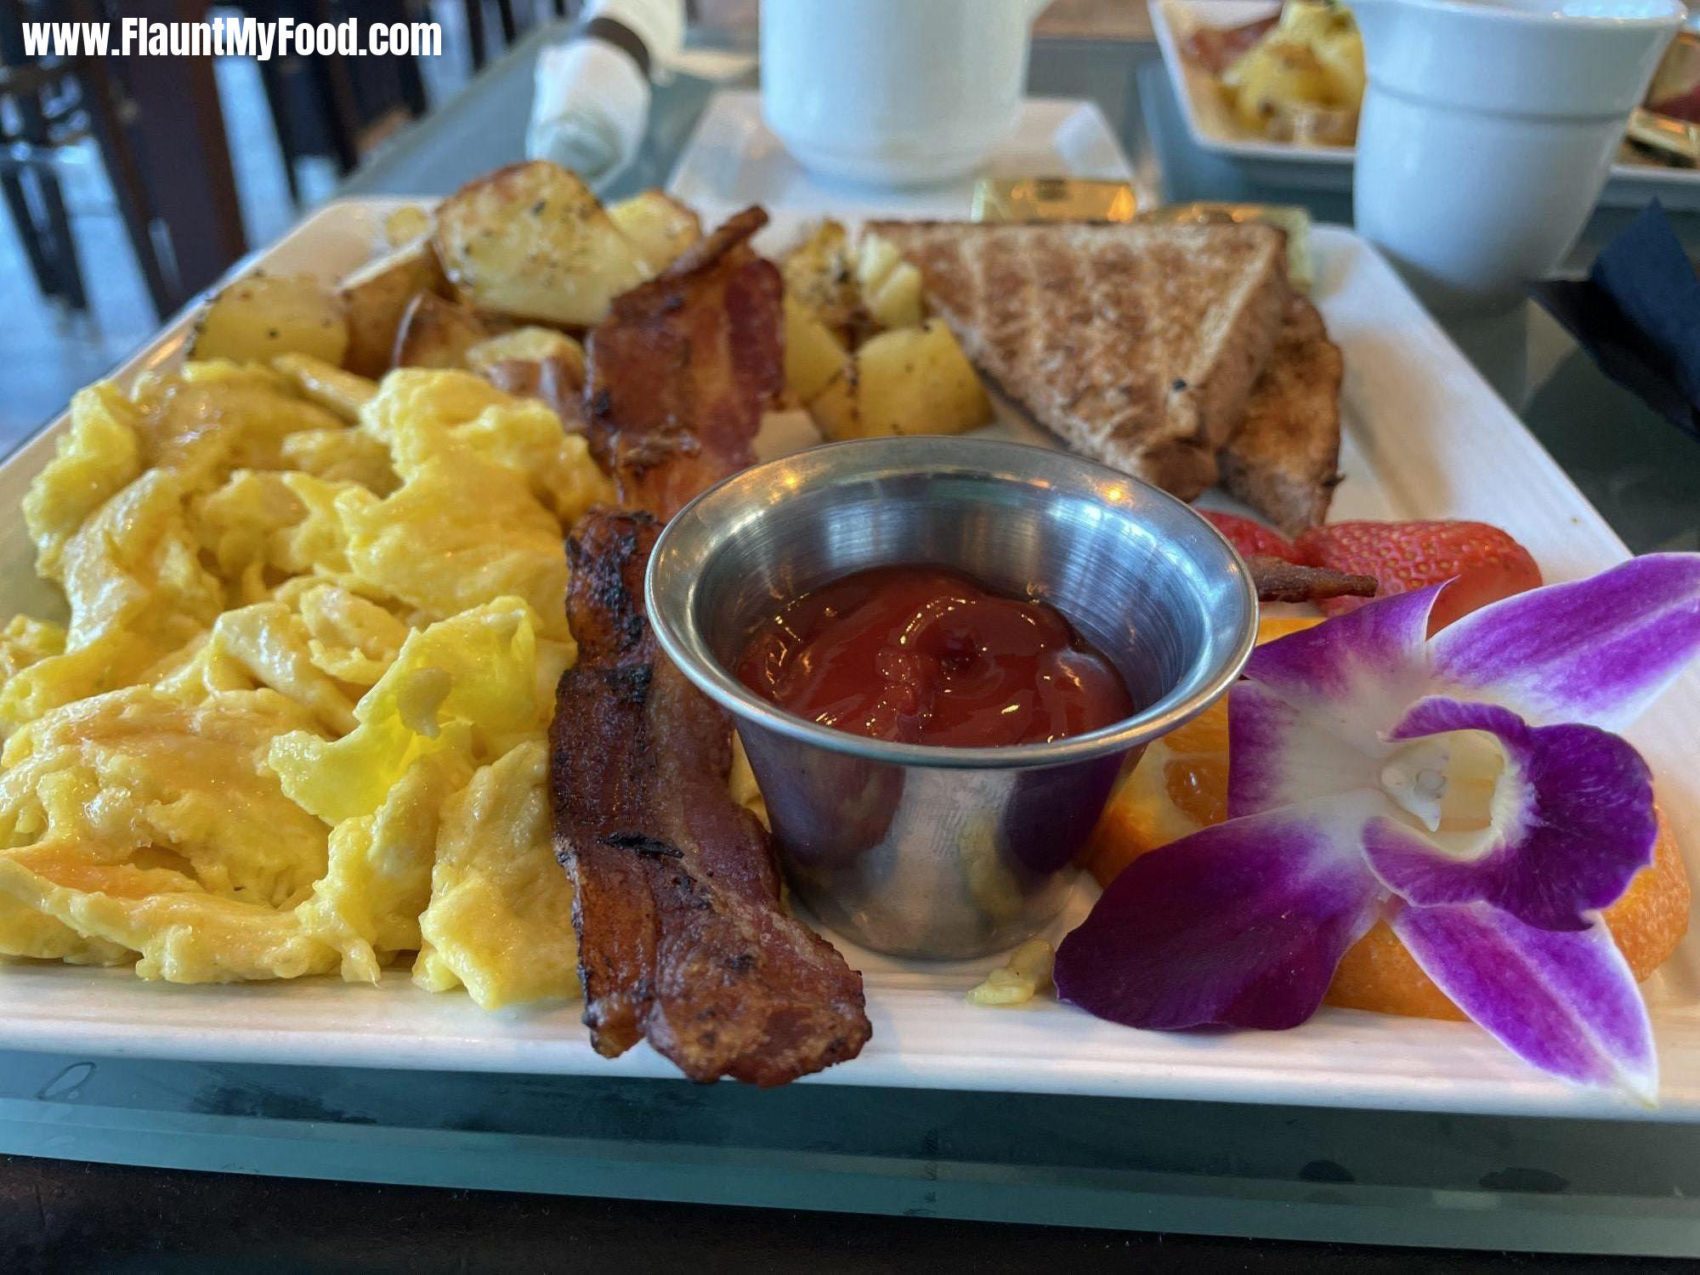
x: 1252, y: 539
x: 1484, y: 563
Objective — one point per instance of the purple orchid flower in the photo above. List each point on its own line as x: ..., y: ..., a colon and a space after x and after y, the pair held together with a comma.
x: 1466, y: 788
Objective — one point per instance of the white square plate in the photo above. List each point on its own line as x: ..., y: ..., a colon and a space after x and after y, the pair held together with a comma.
x: 1313, y: 167
x: 1425, y: 438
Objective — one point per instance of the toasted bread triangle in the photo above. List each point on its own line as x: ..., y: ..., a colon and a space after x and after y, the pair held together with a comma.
x: 1284, y: 459
x: 1135, y: 344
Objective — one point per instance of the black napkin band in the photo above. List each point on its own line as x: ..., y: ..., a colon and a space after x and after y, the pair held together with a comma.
x: 613, y: 31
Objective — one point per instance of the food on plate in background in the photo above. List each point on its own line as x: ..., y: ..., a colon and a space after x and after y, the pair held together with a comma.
x: 1298, y: 79
x: 1483, y: 562
x: 308, y: 668
x: 684, y: 938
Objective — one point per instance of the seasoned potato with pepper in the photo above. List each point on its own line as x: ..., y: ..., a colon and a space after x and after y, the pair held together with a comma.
x: 907, y: 381
x: 659, y: 227
x: 263, y: 315
x: 531, y: 241
x: 821, y: 274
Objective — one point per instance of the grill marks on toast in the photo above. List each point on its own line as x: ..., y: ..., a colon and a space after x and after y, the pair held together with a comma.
x: 1137, y: 345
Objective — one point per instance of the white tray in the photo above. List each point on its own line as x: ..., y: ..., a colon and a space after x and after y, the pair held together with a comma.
x: 1313, y: 167
x: 1425, y: 437
x: 733, y: 159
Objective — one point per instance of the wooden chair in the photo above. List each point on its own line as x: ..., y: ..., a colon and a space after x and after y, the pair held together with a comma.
x: 54, y: 104
x: 318, y: 104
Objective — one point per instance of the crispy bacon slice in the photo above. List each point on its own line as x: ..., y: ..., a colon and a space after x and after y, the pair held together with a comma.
x: 679, y: 373
x: 682, y: 936
x: 1278, y: 580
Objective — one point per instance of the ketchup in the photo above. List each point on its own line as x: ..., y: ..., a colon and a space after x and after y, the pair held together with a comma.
x: 922, y: 655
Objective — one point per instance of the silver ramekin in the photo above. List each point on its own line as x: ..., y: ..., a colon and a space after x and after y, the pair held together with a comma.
x: 935, y: 852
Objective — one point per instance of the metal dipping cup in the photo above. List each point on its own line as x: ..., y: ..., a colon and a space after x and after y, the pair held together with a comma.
x: 911, y: 849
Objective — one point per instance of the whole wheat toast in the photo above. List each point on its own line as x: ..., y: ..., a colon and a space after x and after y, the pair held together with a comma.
x: 1284, y: 459
x: 1135, y: 344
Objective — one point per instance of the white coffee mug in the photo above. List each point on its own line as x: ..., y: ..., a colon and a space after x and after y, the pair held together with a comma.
x: 1488, y: 130
x: 893, y: 92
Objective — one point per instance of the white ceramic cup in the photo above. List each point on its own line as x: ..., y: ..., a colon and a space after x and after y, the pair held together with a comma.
x: 893, y: 92
x: 1488, y: 130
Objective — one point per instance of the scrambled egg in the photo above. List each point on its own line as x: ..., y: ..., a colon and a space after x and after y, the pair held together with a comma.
x: 295, y: 719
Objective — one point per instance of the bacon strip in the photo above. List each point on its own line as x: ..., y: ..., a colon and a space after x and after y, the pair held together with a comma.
x: 679, y: 373
x: 682, y: 936
x: 1278, y: 580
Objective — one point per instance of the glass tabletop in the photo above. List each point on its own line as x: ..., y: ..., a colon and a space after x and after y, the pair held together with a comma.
x: 1272, y: 1172
x: 1642, y: 473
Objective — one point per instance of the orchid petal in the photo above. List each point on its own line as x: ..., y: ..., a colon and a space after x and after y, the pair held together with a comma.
x: 1574, y: 822
x: 1307, y: 719
x: 1566, y: 1002
x: 1596, y: 651
x: 1279, y: 756
x: 1377, y: 650
x: 1241, y: 924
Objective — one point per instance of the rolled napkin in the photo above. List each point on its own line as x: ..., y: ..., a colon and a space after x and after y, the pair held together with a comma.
x: 1638, y: 316
x: 591, y: 97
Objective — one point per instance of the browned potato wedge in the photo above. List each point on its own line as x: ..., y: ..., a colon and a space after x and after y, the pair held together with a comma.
x: 530, y: 241
x: 813, y: 355
x: 376, y: 297
x: 528, y: 345
x: 333, y: 389
x: 437, y: 333
x: 821, y: 273
x: 659, y: 227
x: 263, y: 315
x: 907, y: 381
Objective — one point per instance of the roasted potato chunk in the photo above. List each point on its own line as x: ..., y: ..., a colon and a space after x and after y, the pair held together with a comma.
x: 530, y: 241
x: 907, y: 381
x: 528, y: 345
x: 377, y: 296
x: 659, y: 227
x: 813, y: 355
x: 890, y: 286
x: 437, y: 333
x: 821, y: 273
x: 263, y: 315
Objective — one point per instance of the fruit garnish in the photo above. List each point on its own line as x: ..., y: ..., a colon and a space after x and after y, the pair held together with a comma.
x: 1484, y: 563
x: 1466, y: 789
x: 1179, y: 786
x: 1252, y: 539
